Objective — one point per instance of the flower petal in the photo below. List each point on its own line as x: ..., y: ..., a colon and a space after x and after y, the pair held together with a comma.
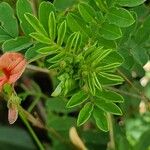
x: 12, y: 114
x: 3, y: 80
x: 12, y: 65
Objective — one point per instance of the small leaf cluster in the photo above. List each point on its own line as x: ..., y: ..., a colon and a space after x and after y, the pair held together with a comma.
x: 104, y: 22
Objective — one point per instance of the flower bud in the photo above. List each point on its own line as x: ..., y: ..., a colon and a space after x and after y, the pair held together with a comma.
x: 12, y: 114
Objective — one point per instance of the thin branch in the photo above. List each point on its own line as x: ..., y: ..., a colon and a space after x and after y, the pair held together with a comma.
x: 143, y: 96
x: 39, y: 124
x: 36, y: 68
x: 129, y: 82
x: 41, y: 110
x: 31, y: 131
x: 33, y: 104
x: 39, y: 69
x: 34, y: 4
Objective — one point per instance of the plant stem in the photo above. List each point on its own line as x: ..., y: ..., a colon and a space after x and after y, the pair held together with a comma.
x: 33, y: 104
x: 132, y: 85
x: 129, y: 82
x: 40, y: 125
x: 34, y: 6
x: 39, y: 69
x: 26, y: 116
x: 39, y: 144
x: 111, y: 133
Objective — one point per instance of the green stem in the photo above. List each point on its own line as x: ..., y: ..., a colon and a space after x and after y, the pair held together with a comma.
x: 39, y: 144
x: 33, y: 104
x: 35, y: 6
x: 111, y: 133
x: 128, y: 81
x: 146, y: 99
x: 36, y: 68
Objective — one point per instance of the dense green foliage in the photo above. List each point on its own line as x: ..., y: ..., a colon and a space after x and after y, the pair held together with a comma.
x: 91, y: 49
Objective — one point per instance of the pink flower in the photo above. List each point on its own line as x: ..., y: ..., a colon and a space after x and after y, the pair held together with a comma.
x: 12, y: 65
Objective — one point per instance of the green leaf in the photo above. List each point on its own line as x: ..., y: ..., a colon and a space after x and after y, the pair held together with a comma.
x: 8, y: 139
x: 120, y: 17
x: 52, y: 26
x: 103, y: 53
x: 32, y: 53
x: 143, y: 143
x: 110, y: 31
x: 89, y: 51
x: 108, y: 106
x: 109, y: 96
x: 110, y: 63
x: 87, y: 12
x: 73, y: 42
x: 17, y: 44
x: 141, y: 59
x: 93, y: 54
x: 100, y: 17
x: 94, y: 138
x: 85, y: 113
x: 129, y: 61
x: 112, y: 60
x: 77, y: 42
x: 4, y: 35
x: 91, y: 84
x: 8, y: 20
x: 69, y: 85
x: 142, y: 33
x: 77, y: 99
x: 108, y: 67
x: 56, y: 65
x: 56, y: 58
x: 130, y: 3
x: 58, y: 90
x: 100, y: 119
x: 45, y: 9
x: 96, y: 81
x: 35, y: 23
x: 107, y: 44
x: 60, y: 123
x: 76, y: 24
x: 123, y: 142
x: 48, y: 49
x: 70, y: 41
x: 108, y: 81
x: 102, y: 5
x: 61, y: 33
x: 40, y: 38
x: 62, y: 5
x: 110, y: 3
x: 111, y: 76
x: 57, y: 104
x: 22, y: 7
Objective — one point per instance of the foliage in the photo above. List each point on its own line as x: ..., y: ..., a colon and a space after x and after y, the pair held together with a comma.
x: 90, y: 48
